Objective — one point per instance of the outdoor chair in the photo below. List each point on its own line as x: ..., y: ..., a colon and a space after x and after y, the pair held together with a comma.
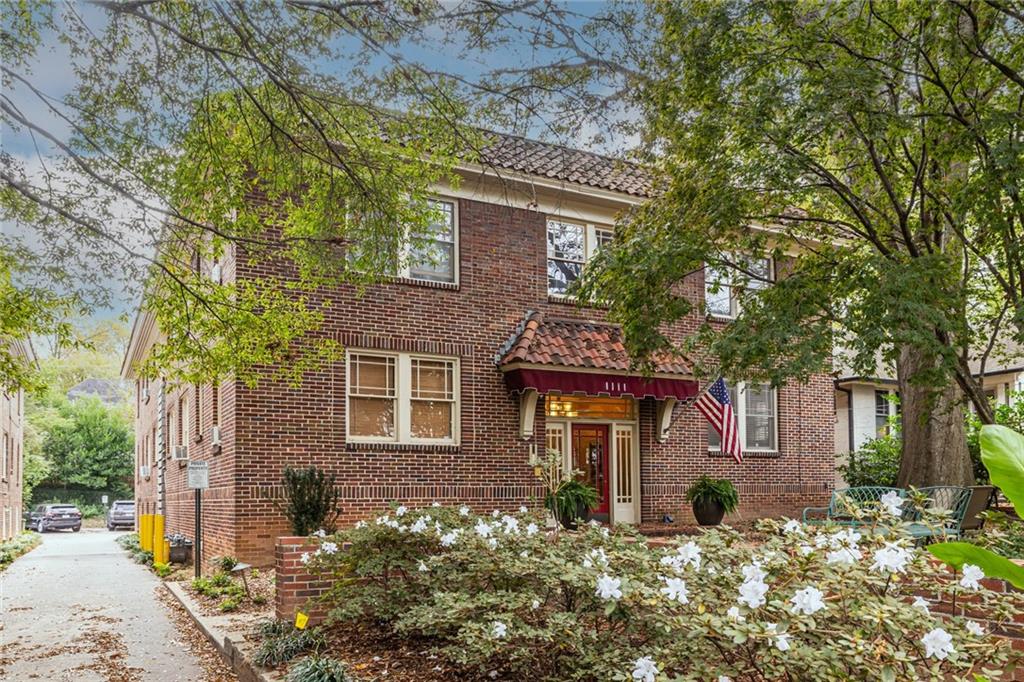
x: 949, y: 504
x: 981, y: 500
x: 845, y: 502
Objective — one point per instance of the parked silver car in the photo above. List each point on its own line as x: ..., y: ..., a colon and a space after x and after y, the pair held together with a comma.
x: 121, y: 515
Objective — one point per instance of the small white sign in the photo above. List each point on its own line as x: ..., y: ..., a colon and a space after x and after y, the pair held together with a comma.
x: 105, y: 498
x: 198, y: 475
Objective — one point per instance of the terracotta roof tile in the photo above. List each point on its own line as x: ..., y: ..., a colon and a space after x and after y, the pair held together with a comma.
x: 575, y: 343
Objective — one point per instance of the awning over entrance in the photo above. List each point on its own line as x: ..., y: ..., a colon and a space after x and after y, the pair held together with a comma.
x: 579, y: 357
x: 591, y: 383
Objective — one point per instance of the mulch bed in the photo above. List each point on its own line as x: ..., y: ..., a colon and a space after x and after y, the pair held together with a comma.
x: 260, y: 585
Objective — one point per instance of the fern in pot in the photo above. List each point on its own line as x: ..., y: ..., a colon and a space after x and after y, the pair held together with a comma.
x: 712, y: 499
x: 572, y: 501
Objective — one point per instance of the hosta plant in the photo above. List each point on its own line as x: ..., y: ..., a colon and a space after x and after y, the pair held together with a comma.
x: 497, y: 595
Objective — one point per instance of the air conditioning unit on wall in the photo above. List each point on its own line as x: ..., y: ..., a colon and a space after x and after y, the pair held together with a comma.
x: 144, y: 470
x: 180, y: 453
x: 215, y: 435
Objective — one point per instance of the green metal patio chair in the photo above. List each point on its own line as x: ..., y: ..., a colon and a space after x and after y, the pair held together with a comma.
x: 946, y: 506
x: 845, y: 502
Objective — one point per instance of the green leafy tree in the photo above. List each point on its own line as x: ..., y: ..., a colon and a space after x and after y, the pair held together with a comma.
x: 874, y: 151
x: 92, y: 448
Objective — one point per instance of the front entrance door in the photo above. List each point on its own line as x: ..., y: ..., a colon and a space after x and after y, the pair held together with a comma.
x: 590, y: 455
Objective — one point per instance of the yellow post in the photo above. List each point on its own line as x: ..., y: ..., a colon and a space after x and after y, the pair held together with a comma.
x: 165, y: 557
x: 158, y: 538
x: 146, y: 532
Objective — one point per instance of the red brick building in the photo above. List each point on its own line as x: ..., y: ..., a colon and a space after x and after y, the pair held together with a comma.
x: 462, y: 370
x: 12, y: 458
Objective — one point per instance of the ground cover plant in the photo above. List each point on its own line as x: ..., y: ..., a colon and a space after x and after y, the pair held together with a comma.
x: 16, y: 546
x: 281, y: 641
x: 130, y: 543
x: 496, y: 595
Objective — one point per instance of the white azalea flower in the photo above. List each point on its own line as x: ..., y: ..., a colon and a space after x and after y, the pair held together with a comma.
x: 645, y: 669
x: 448, y: 539
x: 675, y: 590
x: 418, y: 526
x: 523, y: 509
x: 531, y: 529
x: 402, y: 509
x: 524, y: 554
x: 674, y: 561
x: 492, y: 543
x: 793, y: 526
x: 360, y: 524
x: 463, y: 510
x: 891, y: 558
x: 970, y: 577
x: 511, y: 524
x: 808, y: 601
x: 711, y: 570
x: 806, y: 549
x: 892, y: 503
x: 422, y: 567
x: 752, y: 593
x: 596, y: 557
x: 382, y: 520
x: 328, y: 548
x: 781, y: 641
x: 922, y: 603
x: 734, y: 614
x: 304, y: 558
x: 845, y: 556
x: 438, y: 528
x: 321, y: 533
x: 753, y: 572
x: 690, y: 554
x: 535, y: 604
x: 938, y: 644
x: 482, y: 528
x: 975, y: 629
x: 498, y: 629
x: 609, y: 587
x: 495, y: 513
x: 844, y: 538
x: 435, y: 504
x: 724, y: 678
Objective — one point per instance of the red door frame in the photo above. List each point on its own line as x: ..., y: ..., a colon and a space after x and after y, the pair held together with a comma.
x: 602, y: 489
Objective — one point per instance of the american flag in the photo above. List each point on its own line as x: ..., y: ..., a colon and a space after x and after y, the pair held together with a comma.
x: 716, y: 407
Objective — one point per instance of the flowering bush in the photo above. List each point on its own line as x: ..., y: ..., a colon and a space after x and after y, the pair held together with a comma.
x: 498, y: 594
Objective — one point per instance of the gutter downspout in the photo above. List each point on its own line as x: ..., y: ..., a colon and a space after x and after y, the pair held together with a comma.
x: 849, y: 417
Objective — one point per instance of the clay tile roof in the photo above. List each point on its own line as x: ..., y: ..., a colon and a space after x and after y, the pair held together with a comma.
x: 544, y: 159
x: 575, y: 343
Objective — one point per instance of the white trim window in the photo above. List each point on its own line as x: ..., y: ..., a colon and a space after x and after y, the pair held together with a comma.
x: 402, y: 398
x: 570, y: 245
x: 757, y: 413
x: 722, y: 294
x: 435, y: 255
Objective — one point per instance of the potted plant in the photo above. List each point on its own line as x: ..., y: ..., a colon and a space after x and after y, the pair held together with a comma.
x: 712, y: 499
x: 571, y: 501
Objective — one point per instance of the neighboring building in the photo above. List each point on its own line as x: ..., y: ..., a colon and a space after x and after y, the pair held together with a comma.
x: 865, y: 403
x: 110, y: 392
x: 12, y: 470
x: 459, y: 373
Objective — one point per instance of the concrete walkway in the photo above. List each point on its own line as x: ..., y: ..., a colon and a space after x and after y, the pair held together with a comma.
x: 77, y: 608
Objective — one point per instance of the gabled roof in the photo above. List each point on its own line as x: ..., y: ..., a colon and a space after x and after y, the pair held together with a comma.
x: 543, y: 159
x: 106, y: 390
x: 541, y: 340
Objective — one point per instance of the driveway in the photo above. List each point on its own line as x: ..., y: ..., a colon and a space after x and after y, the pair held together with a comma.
x: 77, y: 608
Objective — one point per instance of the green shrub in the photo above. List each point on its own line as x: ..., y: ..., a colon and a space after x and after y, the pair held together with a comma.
x: 217, y: 585
x: 311, y: 500
x: 16, y: 546
x: 230, y: 603
x: 317, y: 669
x: 1010, y: 416
x: 496, y: 594
x: 877, y: 462
x: 1001, y: 534
x: 163, y: 570
x: 224, y: 563
x: 720, y: 490
x: 281, y: 641
x: 129, y: 541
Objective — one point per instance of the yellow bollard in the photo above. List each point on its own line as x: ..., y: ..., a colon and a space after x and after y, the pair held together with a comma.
x: 158, y: 538
x: 165, y: 558
x: 146, y: 532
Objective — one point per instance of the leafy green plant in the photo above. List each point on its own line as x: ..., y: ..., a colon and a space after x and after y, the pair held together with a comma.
x: 1010, y: 416
x: 224, y: 563
x: 163, y: 570
x: 281, y: 641
x: 877, y: 462
x: 570, y: 498
x: 16, y: 546
x: 721, y: 490
x: 230, y: 603
x: 217, y: 585
x: 311, y: 500
x: 1002, y: 534
x: 318, y: 669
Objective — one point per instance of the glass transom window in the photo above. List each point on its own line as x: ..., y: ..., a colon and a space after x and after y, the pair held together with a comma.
x: 578, y: 407
x: 402, y: 398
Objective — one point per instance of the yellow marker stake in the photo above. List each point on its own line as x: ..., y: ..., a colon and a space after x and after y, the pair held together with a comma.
x: 300, y: 620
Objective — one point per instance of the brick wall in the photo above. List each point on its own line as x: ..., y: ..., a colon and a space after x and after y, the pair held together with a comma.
x: 502, y: 275
x: 12, y: 469
x: 295, y: 589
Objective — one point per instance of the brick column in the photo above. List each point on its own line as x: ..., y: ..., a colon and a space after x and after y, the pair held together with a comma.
x: 295, y: 588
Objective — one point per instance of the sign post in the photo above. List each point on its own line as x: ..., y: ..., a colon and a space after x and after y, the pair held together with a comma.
x: 198, y: 480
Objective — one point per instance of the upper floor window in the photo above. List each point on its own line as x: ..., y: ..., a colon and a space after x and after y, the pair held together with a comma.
x: 402, y: 398
x: 756, y: 410
x: 570, y: 246
x: 432, y: 255
x: 721, y: 292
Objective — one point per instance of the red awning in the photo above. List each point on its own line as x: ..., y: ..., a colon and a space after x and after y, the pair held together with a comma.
x: 598, y: 384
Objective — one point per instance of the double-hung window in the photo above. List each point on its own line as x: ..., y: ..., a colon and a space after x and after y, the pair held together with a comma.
x: 402, y: 398
x: 722, y: 294
x: 886, y: 405
x: 570, y: 246
x: 430, y: 255
x: 756, y: 410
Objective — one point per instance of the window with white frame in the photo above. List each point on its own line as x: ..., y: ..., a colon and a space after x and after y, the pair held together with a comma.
x: 756, y: 410
x: 722, y: 294
x: 402, y: 398
x: 432, y: 255
x: 570, y: 246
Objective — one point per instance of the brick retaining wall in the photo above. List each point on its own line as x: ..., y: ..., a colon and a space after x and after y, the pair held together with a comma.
x: 295, y: 588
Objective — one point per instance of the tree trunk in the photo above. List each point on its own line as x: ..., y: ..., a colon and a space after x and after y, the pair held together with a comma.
x: 934, y: 442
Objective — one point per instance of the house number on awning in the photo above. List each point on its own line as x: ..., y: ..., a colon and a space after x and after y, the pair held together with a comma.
x: 619, y: 386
